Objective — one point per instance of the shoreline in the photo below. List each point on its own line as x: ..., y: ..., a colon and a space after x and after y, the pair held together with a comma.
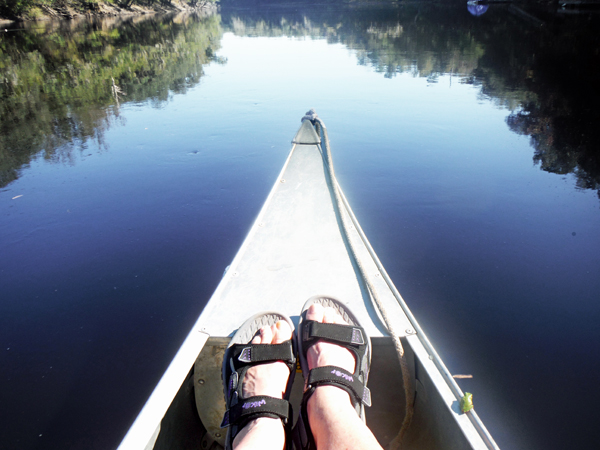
x: 101, y: 9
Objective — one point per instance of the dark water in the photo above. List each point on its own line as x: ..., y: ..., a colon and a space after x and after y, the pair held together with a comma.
x: 134, y: 155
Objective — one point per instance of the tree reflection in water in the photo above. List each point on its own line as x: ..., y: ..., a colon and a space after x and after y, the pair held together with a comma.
x: 542, y: 74
x: 57, y: 94
x: 63, y: 81
x: 57, y: 88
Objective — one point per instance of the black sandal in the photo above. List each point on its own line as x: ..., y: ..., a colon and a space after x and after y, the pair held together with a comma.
x: 240, y: 355
x: 352, y: 337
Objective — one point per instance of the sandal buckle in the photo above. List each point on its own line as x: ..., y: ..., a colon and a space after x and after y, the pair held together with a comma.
x: 233, y: 383
x: 225, y: 422
x: 246, y: 356
x: 357, y: 336
x: 366, y: 398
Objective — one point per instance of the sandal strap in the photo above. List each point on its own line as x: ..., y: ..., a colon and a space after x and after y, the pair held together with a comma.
x: 343, y: 334
x: 245, y: 354
x: 336, y: 376
x: 258, y: 406
x: 324, y: 376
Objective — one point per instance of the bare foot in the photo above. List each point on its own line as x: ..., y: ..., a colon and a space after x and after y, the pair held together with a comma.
x: 327, y: 354
x: 265, y: 433
x: 268, y: 379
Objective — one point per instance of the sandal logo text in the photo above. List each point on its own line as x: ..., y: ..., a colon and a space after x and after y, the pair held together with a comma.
x: 343, y: 375
x: 254, y: 404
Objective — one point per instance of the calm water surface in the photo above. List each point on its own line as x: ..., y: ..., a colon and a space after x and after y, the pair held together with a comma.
x: 135, y: 154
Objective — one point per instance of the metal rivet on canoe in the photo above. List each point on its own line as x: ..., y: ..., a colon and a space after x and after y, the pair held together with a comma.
x: 282, y: 180
x: 261, y: 224
x: 377, y: 274
x: 217, y: 434
x: 409, y: 331
x: 234, y: 274
x: 200, y: 381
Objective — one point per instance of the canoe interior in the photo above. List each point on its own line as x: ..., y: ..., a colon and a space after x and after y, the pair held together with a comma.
x: 201, y: 395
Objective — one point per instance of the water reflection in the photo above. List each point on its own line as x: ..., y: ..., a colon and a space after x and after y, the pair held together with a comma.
x: 496, y: 257
x: 542, y: 74
x: 63, y: 81
x: 391, y: 40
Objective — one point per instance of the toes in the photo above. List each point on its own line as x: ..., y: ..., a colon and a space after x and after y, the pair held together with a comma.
x: 257, y: 339
x: 315, y: 312
x: 275, y: 334
x: 319, y: 313
x: 330, y: 315
x: 281, y: 332
x: 266, y: 335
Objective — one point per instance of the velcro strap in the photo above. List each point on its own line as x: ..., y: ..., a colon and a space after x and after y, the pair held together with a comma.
x: 251, y: 353
x: 258, y: 406
x: 336, y: 376
x: 346, y: 334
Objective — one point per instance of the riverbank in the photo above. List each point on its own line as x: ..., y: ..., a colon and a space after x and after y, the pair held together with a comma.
x: 71, y: 9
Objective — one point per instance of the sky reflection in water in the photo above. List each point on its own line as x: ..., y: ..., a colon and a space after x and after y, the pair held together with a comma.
x: 110, y: 254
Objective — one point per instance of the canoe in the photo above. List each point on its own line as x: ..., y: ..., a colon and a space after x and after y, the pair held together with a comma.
x: 306, y: 241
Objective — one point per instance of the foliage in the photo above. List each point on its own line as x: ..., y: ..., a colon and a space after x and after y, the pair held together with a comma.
x: 61, y: 85
x: 32, y: 8
x: 14, y: 7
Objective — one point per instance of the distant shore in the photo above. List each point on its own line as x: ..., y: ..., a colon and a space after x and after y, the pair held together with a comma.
x: 76, y: 9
